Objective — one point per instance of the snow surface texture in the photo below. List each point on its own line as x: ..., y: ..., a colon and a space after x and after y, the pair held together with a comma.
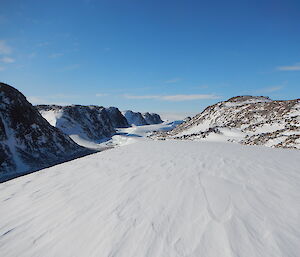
x: 139, y: 119
x: 157, y: 199
x: 27, y: 141
x: 245, y: 119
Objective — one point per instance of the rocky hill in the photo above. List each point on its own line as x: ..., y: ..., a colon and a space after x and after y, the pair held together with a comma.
x: 27, y: 141
x: 116, y: 118
x: 88, y: 122
x: 140, y: 119
x: 152, y: 118
x: 251, y: 120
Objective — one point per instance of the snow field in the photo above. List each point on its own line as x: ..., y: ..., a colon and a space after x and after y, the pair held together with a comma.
x: 157, y: 198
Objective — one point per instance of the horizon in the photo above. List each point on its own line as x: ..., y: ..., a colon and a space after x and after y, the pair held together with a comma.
x: 171, y: 57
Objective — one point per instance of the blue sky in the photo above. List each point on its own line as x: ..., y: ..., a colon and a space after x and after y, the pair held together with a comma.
x: 163, y: 56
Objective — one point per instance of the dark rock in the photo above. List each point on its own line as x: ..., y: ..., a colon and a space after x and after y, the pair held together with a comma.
x: 27, y: 141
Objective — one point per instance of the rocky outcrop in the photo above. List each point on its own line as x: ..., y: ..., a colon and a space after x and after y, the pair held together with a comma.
x: 135, y: 118
x: 251, y: 120
x: 152, y: 118
x: 116, y: 118
x: 27, y: 141
x: 140, y: 119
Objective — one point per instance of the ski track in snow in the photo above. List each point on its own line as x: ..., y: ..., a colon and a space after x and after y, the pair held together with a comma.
x: 157, y: 198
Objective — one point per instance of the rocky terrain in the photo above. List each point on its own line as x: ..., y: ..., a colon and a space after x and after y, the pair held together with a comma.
x: 93, y: 122
x: 152, y: 118
x: 140, y: 119
x: 116, y: 118
x: 88, y: 122
x: 27, y: 141
x: 249, y: 120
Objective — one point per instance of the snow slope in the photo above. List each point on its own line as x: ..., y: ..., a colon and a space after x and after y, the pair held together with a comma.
x: 157, y: 199
x: 124, y: 136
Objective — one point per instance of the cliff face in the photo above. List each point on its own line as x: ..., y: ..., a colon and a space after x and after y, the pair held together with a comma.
x: 27, y: 141
x: 248, y: 120
x: 140, y: 119
x: 116, y: 117
x: 152, y: 118
x: 88, y: 122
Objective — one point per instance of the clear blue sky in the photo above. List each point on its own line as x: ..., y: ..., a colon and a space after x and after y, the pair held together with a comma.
x: 168, y: 56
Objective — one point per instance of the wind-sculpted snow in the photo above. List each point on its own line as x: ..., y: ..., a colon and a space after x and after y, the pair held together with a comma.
x: 27, y: 141
x: 157, y: 199
x: 245, y: 119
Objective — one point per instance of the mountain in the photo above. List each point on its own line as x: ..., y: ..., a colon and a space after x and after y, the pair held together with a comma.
x: 251, y: 120
x: 135, y: 118
x: 88, y: 122
x: 116, y: 117
x: 152, y: 118
x: 139, y: 119
x: 27, y: 141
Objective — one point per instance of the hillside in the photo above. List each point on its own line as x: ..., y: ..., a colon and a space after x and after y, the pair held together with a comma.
x: 88, y: 122
x: 245, y: 119
x: 27, y: 141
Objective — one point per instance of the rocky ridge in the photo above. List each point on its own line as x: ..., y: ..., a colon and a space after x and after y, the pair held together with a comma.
x: 88, y: 122
x: 27, y: 141
x: 140, y: 119
x: 250, y: 120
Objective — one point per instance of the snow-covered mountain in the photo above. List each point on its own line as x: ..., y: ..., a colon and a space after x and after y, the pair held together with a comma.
x: 140, y: 119
x: 93, y: 122
x: 88, y: 122
x: 27, y: 141
x: 251, y: 120
x: 152, y: 118
x: 134, y: 118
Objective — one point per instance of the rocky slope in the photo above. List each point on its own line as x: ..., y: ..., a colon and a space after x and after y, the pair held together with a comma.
x: 248, y: 120
x: 152, y: 118
x: 116, y: 117
x: 140, y: 119
x: 27, y: 141
x: 88, y: 122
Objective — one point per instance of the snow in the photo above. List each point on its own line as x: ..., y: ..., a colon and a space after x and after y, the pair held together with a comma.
x: 250, y: 101
x: 52, y: 116
x: 123, y: 136
x: 157, y: 199
x: 11, y: 143
x: 195, y: 129
x: 268, y: 128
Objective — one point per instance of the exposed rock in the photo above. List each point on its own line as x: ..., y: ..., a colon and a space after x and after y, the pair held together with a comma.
x: 252, y: 120
x: 88, y: 122
x: 140, y: 119
x: 116, y: 118
x: 135, y: 118
x: 27, y: 141
x: 152, y: 118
